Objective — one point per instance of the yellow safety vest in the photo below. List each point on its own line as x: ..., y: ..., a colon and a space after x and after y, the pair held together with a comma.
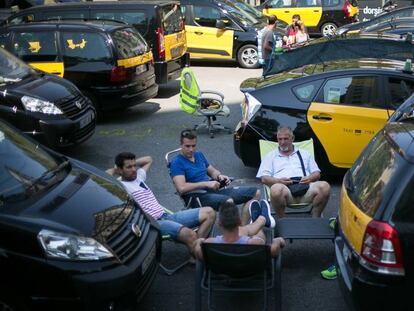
x: 189, y: 91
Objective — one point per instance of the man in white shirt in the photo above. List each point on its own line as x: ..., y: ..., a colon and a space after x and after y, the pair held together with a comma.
x: 282, y: 166
x: 178, y: 225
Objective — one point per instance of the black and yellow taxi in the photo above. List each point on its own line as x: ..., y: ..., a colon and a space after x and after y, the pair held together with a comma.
x: 109, y: 62
x: 341, y: 104
x: 50, y: 109
x: 160, y: 22
x: 374, y: 243
x: 319, y: 16
x: 219, y: 30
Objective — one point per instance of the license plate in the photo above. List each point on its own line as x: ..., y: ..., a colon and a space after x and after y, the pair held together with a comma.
x: 86, y: 120
x: 148, y: 260
x: 141, y: 68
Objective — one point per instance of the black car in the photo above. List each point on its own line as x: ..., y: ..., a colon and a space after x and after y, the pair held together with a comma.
x: 108, y: 61
x: 49, y: 108
x: 340, y: 104
x: 71, y: 236
x: 407, y: 11
x: 374, y: 243
x: 401, y: 26
x: 160, y: 22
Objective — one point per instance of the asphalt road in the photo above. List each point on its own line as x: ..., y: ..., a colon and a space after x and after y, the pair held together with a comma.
x: 153, y: 128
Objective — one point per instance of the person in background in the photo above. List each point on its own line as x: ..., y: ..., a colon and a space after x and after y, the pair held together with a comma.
x: 266, y: 42
x: 290, y: 37
x: 301, y: 33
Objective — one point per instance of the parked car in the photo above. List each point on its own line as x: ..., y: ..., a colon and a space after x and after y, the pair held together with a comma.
x: 49, y: 108
x: 72, y: 237
x: 109, y: 62
x: 219, y: 30
x: 401, y: 27
x: 340, y: 104
x: 407, y: 11
x: 160, y: 22
x: 374, y: 243
x: 319, y: 16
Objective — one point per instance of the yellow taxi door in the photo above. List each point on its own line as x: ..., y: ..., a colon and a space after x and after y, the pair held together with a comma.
x: 310, y: 11
x: 204, y: 40
x: 347, y: 113
x: 283, y: 9
x: 39, y: 49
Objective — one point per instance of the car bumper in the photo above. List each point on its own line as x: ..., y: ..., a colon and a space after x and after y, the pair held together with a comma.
x: 123, y: 97
x: 366, y: 290
x: 171, y: 70
x: 65, y: 132
x: 109, y: 288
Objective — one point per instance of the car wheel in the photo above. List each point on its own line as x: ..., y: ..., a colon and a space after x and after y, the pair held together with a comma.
x: 248, y: 56
x: 328, y: 29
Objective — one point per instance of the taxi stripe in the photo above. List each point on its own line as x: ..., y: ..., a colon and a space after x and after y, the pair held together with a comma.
x: 135, y: 61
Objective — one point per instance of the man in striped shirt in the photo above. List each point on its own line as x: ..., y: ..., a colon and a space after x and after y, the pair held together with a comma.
x: 179, y: 225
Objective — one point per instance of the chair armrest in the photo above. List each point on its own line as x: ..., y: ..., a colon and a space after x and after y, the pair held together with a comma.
x: 212, y: 92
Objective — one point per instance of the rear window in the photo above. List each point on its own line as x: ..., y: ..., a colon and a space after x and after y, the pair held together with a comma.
x: 370, y: 173
x: 129, y: 43
x: 58, y: 15
x: 172, y: 19
x: 85, y: 47
x: 136, y: 18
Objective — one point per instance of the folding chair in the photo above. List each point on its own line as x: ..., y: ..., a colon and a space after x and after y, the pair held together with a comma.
x: 237, y: 268
x: 267, y: 146
x: 172, y: 270
x: 190, y: 199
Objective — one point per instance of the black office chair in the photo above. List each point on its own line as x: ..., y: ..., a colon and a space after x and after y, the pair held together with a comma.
x: 237, y: 268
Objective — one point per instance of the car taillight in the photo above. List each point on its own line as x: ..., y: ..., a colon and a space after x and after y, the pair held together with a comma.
x: 161, y: 45
x: 381, y: 249
x: 347, y: 9
x: 118, y: 74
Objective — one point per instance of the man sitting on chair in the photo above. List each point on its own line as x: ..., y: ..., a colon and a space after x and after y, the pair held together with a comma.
x: 191, y: 171
x: 232, y: 232
x: 279, y: 169
x: 178, y: 225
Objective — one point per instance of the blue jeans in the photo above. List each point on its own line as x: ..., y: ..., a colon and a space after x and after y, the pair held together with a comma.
x: 171, y: 224
x: 215, y: 198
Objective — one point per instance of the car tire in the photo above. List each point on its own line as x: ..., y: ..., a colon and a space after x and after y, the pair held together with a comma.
x: 248, y: 56
x: 328, y: 29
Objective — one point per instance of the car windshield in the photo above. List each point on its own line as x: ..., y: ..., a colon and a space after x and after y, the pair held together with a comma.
x: 12, y: 69
x: 241, y: 15
x: 25, y: 168
x: 172, y: 19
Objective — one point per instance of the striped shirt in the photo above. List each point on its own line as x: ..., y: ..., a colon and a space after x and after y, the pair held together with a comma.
x: 143, y: 195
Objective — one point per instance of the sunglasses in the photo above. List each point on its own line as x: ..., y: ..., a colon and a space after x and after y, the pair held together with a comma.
x: 188, y: 133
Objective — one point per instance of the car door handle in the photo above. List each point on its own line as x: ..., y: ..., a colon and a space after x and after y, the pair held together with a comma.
x: 317, y: 11
x: 287, y: 11
x: 198, y: 32
x: 321, y: 118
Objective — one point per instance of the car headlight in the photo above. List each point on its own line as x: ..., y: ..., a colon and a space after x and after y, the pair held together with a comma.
x: 38, y: 105
x: 73, y: 247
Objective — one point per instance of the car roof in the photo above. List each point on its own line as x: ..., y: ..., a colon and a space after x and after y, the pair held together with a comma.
x: 320, y: 70
x: 101, y: 25
x: 350, y: 46
x: 61, y: 5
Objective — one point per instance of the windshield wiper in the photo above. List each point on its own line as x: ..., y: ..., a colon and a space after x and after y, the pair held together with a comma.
x: 5, y: 80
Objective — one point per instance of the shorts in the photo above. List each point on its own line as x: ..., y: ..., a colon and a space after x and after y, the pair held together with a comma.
x: 171, y: 224
x: 214, y: 198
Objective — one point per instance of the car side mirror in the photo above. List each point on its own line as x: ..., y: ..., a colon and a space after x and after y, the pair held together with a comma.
x: 220, y: 24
